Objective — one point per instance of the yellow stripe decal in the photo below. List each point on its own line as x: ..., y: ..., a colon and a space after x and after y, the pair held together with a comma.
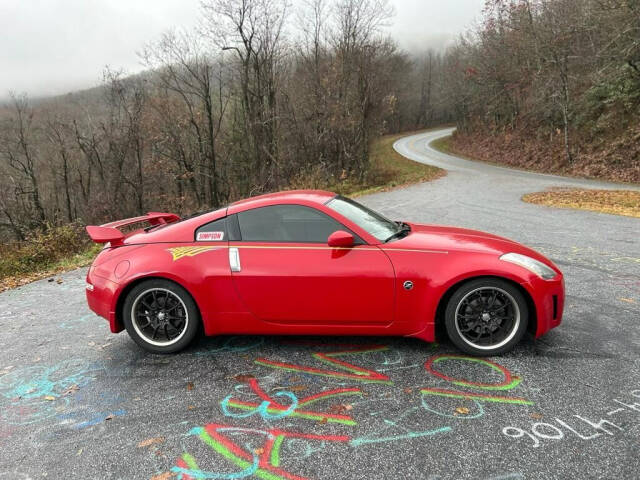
x: 180, y: 252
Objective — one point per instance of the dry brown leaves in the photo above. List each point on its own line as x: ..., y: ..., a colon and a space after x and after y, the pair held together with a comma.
x: 613, y: 158
x: 341, y: 409
x: 150, y: 441
x: 163, y: 476
x: 616, y: 202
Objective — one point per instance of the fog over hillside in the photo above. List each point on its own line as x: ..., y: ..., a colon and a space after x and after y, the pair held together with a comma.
x: 53, y: 47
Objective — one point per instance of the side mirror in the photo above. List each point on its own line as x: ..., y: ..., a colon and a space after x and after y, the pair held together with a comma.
x: 340, y: 238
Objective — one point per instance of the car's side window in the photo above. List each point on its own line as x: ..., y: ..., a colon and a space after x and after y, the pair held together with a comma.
x: 287, y: 223
x: 215, y: 231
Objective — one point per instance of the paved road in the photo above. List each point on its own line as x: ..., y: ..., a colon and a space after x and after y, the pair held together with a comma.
x: 78, y: 402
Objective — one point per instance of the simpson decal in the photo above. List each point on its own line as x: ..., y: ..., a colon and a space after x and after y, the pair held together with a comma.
x: 210, y: 236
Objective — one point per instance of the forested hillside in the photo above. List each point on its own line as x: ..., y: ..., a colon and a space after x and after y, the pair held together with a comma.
x: 552, y: 85
x: 247, y: 104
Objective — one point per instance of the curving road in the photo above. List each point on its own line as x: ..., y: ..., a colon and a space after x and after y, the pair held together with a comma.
x: 78, y: 402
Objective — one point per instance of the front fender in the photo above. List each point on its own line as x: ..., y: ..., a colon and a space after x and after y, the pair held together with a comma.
x: 434, y: 274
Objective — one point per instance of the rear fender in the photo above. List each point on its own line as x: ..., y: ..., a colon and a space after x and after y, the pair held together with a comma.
x: 201, y: 268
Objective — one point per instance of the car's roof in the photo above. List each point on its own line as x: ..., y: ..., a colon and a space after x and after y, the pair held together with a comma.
x: 316, y: 196
x: 183, y: 231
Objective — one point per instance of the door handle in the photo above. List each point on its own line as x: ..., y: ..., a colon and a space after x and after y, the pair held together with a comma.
x: 234, y: 259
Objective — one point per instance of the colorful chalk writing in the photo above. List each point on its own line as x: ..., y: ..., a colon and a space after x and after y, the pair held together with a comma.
x: 281, y: 404
x: 38, y: 392
x: 389, y: 433
x: 509, y: 382
x: 263, y: 462
x: 348, y: 370
x: 271, y: 409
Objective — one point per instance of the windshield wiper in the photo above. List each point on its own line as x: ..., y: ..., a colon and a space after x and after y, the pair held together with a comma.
x: 402, y: 232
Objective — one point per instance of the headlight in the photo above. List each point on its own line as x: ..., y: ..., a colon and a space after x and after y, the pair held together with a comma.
x: 530, y: 264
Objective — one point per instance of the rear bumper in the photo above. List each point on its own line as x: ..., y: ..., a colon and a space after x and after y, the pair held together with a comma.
x: 100, y: 294
x: 548, y: 298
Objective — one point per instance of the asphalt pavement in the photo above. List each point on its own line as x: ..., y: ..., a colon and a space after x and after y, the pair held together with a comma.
x: 79, y: 402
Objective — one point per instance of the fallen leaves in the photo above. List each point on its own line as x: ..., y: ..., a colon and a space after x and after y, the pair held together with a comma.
x: 340, y: 409
x: 72, y: 389
x: 612, y: 159
x: 536, y: 416
x: 150, y: 441
x: 244, y: 378
x: 163, y: 476
x: 297, y: 388
x: 462, y: 411
x: 190, y: 386
x: 49, y: 398
x: 616, y: 202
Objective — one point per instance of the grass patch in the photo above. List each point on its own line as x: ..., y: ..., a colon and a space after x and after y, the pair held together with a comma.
x: 616, y: 202
x: 44, y: 254
x: 442, y: 144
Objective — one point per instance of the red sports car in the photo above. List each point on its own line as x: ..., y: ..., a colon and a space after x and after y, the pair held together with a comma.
x: 312, y: 262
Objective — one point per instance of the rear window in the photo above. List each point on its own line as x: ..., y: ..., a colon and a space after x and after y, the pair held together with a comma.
x: 215, y: 231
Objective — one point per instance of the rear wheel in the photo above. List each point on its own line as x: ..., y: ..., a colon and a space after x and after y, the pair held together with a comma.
x: 160, y: 316
x: 487, y: 316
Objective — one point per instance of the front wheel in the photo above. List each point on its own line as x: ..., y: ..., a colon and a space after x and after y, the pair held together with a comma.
x: 160, y: 316
x: 486, y: 317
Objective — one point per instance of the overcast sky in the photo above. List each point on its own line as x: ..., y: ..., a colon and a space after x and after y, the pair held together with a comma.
x: 55, y: 46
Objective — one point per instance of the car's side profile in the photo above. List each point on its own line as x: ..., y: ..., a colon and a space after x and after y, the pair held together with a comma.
x: 312, y: 262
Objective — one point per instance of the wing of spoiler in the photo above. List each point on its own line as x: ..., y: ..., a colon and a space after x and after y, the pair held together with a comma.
x: 109, y: 231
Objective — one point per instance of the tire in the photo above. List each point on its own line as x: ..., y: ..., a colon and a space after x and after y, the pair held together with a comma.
x: 160, y: 316
x: 487, y: 316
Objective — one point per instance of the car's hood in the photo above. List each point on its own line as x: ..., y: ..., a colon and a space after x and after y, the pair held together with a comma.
x: 450, y: 239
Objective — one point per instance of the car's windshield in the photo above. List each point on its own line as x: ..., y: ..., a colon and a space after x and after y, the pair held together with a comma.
x: 375, y: 224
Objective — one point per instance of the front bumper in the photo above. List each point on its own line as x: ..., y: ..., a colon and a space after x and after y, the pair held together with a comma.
x: 548, y: 298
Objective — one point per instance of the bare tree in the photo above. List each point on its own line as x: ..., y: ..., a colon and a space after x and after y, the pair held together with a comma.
x: 19, y: 153
x: 185, y: 69
x: 253, y: 29
x: 58, y: 134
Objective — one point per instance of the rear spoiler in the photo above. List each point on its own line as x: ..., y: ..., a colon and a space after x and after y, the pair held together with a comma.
x: 109, y: 231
